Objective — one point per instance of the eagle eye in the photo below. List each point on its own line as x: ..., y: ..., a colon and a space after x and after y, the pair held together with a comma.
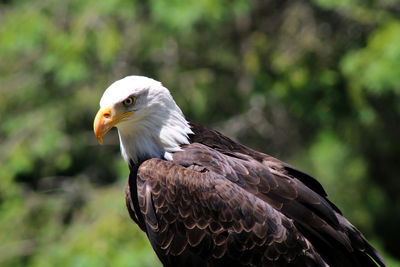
x: 129, y: 101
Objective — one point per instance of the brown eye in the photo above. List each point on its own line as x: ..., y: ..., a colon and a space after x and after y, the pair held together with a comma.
x: 129, y: 101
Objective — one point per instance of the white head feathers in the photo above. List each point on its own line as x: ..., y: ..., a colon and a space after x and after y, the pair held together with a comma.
x: 156, y: 128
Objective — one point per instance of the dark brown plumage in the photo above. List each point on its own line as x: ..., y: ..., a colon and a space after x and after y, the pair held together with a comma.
x: 218, y: 203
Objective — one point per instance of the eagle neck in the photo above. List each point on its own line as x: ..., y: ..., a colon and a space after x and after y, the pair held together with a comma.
x: 136, y: 147
x: 154, y: 139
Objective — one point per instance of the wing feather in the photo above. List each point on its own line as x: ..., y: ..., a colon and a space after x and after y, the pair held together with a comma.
x: 223, y: 221
x: 288, y: 190
x: 220, y: 203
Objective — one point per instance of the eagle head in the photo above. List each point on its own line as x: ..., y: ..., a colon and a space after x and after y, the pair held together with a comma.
x: 149, y: 122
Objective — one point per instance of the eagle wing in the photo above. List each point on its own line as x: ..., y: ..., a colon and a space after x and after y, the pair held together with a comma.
x: 209, y: 205
x: 291, y: 191
x: 197, y: 217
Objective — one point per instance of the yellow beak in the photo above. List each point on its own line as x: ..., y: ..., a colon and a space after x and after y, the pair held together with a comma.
x: 106, y: 118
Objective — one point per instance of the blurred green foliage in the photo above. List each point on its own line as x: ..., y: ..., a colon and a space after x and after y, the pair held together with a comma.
x: 314, y: 83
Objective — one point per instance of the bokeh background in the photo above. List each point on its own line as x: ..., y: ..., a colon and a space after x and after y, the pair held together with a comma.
x: 315, y: 83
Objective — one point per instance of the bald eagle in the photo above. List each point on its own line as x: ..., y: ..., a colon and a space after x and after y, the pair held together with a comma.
x: 205, y: 200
